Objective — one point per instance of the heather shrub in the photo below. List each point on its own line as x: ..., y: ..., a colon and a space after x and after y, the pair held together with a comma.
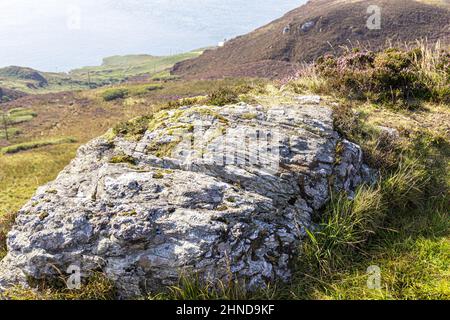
x: 223, y: 96
x: 392, y: 76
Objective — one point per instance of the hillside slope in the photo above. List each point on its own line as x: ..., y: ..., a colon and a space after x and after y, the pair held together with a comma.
x: 119, y: 68
x: 317, y: 28
x: 113, y: 70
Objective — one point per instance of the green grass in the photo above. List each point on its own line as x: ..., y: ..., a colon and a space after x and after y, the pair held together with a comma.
x: 401, y: 224
x: 222, y: 96
x: 12, y: 132
x: 34, y: 144
x: 114, y: 94
x: 123, y: 158
x: 411, y: 250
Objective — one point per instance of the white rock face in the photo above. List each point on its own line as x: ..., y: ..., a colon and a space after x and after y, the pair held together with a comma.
x: 215, y: 191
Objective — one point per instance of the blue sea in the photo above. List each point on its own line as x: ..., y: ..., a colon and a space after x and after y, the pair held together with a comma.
x: 59, y: 35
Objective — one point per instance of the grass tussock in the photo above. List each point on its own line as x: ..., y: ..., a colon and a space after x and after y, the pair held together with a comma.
x: 223, y: 96
x: 347, y: 224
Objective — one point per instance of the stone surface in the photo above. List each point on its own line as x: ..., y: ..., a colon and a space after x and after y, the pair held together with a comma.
x: 308, y: 26
x: 216, y: 191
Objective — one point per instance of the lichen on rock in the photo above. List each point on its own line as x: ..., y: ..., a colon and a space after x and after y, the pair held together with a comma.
x: 210, y: 190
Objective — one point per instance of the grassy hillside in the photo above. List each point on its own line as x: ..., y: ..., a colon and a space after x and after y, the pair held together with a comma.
x: 113, y: 70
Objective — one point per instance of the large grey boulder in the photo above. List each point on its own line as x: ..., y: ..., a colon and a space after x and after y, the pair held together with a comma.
x: 215, y: 191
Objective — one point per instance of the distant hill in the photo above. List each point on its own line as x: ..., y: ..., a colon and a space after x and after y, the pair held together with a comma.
x: 113, y: 70
x: 317, y: 28
x: 8, y: 94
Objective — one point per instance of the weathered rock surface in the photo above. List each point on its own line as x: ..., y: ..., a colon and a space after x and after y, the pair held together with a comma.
x: 215, y: 191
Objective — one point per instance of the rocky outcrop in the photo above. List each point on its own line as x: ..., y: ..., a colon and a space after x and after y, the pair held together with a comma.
x: 216, y: 191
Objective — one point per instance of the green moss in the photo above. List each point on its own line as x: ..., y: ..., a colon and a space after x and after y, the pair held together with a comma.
x: 187, y: 102
x: 123, y: 158
x: 110, y: 135
x: 339, y: 151
x: 129, y: 214
x: 158, y: 120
